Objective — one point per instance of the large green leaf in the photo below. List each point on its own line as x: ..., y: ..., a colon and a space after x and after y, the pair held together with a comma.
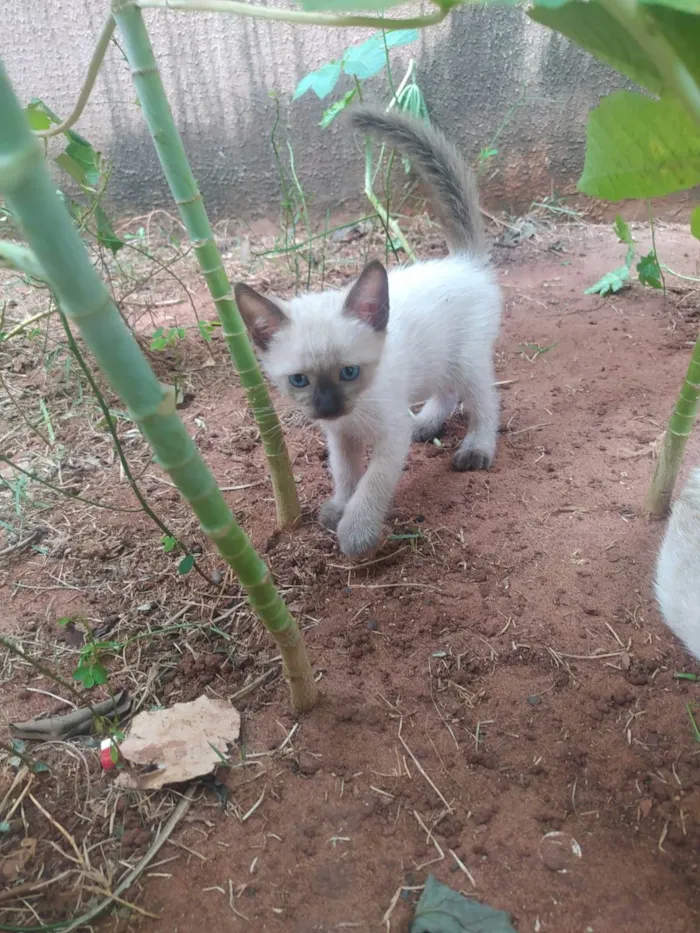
x: 81, y: 162
x: 688, y: 6
x: 695, y: 223
x: 366, y: 60
x: 442, y: 910
x: 639, y: 148
x: 321, y: 82
x: 591, y: 27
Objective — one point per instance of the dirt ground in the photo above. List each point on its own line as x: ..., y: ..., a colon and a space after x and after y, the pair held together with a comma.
x: 497, y: 673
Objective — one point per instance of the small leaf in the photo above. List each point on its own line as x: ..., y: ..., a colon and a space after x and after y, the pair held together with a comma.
x: 39, y: 767
x: 365, y: 60
x: 639, y: 148
x: 624, y: 234
x: 65, y: 620
x: 37, y: 119
x: 332, y: 112
x: 695, y: 223
x: 186, y: 564
x: 168, y: 543
x: 206, y: 329
x: 611, y: 282
x: 442, y: 910
x: 5, y: 827
x: 321, y: 82
x: 105, y: 232
x: 650, y: 271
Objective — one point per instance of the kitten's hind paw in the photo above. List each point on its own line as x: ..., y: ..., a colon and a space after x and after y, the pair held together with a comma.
x: 471, y: 459
x: 330, y: 514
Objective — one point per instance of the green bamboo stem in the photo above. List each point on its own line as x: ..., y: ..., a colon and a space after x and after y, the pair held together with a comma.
x: 83, y: 297
x: 171, y: 152
x: 679, y: 429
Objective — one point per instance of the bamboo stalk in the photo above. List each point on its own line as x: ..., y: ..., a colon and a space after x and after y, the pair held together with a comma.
x: 83, y: 297
x: 679, y: 430
x: 171, y: 152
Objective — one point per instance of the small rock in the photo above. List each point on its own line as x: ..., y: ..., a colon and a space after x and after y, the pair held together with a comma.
x: 217, y: 578
x: 308, y: 765
x: 372, y: 625
x: 534, y: 700
x: 559, y: 851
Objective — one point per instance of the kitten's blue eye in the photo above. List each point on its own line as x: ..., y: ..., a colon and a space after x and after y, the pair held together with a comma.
x: 348, y: 373
x: 299, y: 380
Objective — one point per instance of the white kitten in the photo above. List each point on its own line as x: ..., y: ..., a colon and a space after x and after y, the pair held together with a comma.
x: 678, y: 567
x: 355, y: 360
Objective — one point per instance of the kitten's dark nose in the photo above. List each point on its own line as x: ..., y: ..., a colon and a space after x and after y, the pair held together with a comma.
x: 328, y: 402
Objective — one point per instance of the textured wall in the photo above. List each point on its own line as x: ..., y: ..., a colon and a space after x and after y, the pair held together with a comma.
x: 219, y: 72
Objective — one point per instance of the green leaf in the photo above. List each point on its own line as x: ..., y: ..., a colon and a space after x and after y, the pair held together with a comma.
x: 206, y: 329
x: 688, y: 6
x: 365, y: 60
x: 321, y: 82
x: 442, y: 910
x: 39, y: 767
x: 81, y: 162
x: 4, y: 827
x: 186, y: 564
x: 649, y: 270
x: 38, y: 120
x: 332, y: 112
x: 168, y: 543
x: 65, y: 620
x: 594, y: 29
x: 105, y: 232
x: 639, y: 148
x: 695, y: 223
x: 611, y: 282
x: 621, y: 228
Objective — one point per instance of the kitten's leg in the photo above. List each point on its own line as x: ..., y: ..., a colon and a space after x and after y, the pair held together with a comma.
x: 345, y: 460
x: 430, y: 419
x: 477, y: 450
x: 360, y: 528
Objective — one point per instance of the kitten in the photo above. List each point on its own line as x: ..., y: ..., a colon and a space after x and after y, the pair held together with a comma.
x: 678, y: 568
x: 354, y: 360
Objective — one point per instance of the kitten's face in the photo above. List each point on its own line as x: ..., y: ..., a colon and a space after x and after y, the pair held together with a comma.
x: 321, y: 350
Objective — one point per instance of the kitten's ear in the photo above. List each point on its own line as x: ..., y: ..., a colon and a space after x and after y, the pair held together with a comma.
x: 262, y: 317
x: 368, y: 299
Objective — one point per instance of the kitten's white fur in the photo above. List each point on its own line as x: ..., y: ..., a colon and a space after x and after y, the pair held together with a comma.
x: 437, y: 348
x: 678, y: 567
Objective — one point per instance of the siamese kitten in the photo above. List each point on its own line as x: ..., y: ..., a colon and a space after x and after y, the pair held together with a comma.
x: 354, y: 360
x: 678, y: 567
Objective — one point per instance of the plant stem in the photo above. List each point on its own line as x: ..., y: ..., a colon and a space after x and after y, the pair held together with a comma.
x: 678, y: 80
x: 111, y: 427
x: 171, y: 152
x: 390, y: 225
x: 52, y: 675
x: 297, y: 17
x: 83, y: 297
x: 679, y: 429
x: 68, y: 495
x: 93, y: 69
x: 23, y: 757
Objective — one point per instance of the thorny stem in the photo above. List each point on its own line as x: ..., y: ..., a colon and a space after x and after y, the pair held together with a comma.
x: 47, y: 672
x: 23, y: 757
x: 63, y: 492
x: 109, y: 421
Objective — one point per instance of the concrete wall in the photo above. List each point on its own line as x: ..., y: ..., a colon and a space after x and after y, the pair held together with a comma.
x: 478, y: 68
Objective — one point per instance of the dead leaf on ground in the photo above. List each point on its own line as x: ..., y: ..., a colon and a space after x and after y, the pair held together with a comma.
x: 13, y: 865
x: 173, y: 745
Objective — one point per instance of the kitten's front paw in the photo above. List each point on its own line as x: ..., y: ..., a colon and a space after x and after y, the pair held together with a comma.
x: 330, y: 514
x: 358, y: 538
x: 422, y: 433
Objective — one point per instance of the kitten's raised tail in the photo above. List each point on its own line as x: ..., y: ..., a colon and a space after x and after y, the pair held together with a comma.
x: 439, y: 165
